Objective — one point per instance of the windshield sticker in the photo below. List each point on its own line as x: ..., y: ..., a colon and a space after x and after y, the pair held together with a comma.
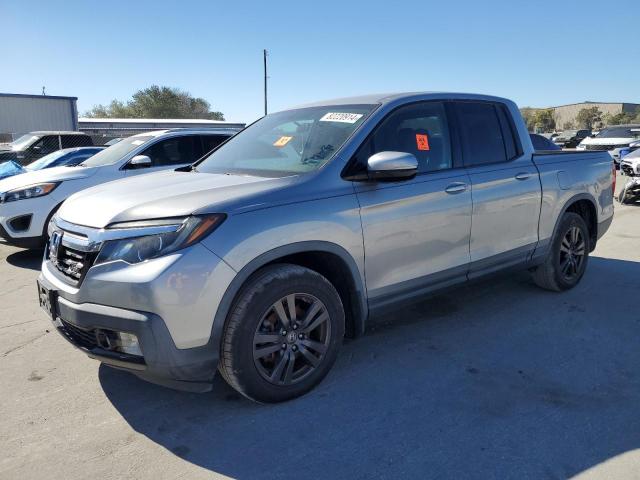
x: 422, y: 141
x: 137, y: 142
x: 341, y: 117
x: 282, y: 141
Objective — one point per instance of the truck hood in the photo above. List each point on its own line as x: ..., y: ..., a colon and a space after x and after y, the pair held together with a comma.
x: 56, y: 174
x: 608, y: 141
x: 160, y: 195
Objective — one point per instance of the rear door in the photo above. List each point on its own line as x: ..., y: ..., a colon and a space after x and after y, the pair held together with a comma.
x: 416, y: 232
x: 505, y: 187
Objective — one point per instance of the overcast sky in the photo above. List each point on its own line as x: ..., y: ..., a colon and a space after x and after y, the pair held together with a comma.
x: 539, y: 53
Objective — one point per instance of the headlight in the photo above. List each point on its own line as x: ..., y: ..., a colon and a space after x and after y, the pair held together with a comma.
x: 182, y: 233
x: 31, y: 191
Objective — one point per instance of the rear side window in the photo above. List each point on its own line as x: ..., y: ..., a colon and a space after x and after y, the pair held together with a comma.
x: 481, y: 133
x: 420, y: 129
x: 511, y: 144
x: 174, y: 151
x: 70, y: 141
x: 209, y: 142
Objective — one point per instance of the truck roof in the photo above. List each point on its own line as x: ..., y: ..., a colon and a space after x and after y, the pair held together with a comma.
x: 384, y: 98
x: 56, y: 132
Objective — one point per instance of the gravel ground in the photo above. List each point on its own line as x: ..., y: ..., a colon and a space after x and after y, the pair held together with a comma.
x: 497, y: 380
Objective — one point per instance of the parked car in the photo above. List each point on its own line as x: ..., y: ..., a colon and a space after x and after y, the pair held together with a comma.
x: 66, y: 157
x: 10, y: 168
x: 28, y: 201
x: 612, y: 139
x: 259, y: 258
x: 632, y: 147
x: 34, y: 145
x: 541, y: 142
x: 571, y: 138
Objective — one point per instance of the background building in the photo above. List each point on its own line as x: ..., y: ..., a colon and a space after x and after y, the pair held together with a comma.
x: 20, y: 114
x: 104, y: 129
x: 566, y: 114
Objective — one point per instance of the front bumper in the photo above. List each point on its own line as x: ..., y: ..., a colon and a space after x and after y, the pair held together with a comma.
x: 31, y: 232
x: 21, y: 242
x: 168, y: 303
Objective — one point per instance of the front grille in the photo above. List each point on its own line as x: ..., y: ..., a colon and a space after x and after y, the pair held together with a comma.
x: 79, y: 336
x: 604, y: 147
x: 73, y: 264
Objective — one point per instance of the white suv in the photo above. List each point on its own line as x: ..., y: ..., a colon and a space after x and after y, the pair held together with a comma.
x: 28, y: 201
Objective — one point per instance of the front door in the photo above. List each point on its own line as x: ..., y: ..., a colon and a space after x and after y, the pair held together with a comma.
x: 170, y: 153
x: 416, y: 232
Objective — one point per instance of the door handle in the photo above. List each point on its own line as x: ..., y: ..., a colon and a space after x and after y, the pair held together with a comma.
x: 522, y: 176
x: 456, y: 187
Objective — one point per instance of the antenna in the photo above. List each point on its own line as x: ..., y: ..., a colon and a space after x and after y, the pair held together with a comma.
x: 265, y: 53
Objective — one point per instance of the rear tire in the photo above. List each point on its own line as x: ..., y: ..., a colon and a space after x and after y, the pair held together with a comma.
x: 567, y: 260
x: 282, y: 334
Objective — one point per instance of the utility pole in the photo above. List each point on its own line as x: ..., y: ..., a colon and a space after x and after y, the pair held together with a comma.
x: 265, y: 80
x: 43, y: 92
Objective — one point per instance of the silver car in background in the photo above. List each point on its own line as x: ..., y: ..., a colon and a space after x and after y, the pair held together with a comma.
x: 259, y: 259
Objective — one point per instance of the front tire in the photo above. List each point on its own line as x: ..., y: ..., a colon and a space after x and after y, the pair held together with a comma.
x: 282, y: 335
x: 567, y: 260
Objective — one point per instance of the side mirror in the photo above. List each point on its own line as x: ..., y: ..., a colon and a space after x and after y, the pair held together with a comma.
x: 139, y: 161
x: 392, y: 166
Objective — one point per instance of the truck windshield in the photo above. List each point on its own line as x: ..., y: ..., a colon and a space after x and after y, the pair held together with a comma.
x: 288, y: 142
x: 114, y: 153
x: 620, y: 132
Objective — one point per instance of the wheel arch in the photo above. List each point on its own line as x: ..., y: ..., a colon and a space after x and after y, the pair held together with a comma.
x: 329, y: 259
x: 584, y: 205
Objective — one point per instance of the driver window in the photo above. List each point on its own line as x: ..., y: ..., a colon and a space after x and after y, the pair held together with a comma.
x: 420, y: 129
x: 46, y: 145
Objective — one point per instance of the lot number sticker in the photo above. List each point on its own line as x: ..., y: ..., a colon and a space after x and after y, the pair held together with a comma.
x: 282, y: 141
x: 422, y: 141
x: 341, y: 117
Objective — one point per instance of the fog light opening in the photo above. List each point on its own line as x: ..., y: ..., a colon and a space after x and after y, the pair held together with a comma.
x: 121, y: 342
x: 128, y: 343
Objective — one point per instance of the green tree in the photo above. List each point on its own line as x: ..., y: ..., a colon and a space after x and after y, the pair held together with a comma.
x: 622, y: 118
x: 544, y: 121
x: 157, y: 102
x: 528, y: 114
x: 588, y: 117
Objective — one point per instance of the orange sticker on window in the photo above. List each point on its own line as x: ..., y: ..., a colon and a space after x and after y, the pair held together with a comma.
x: 422, y: 141
x: 282, y: 141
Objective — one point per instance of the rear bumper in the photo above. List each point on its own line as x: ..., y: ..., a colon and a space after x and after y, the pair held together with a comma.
x: 604, y: 226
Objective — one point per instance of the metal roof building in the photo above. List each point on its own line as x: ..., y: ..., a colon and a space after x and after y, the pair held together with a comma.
x: 566, y: 114
x: 107, y: 128
x: 21, y: 114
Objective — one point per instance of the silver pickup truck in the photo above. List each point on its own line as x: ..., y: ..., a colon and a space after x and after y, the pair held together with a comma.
x: 259, y: 259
